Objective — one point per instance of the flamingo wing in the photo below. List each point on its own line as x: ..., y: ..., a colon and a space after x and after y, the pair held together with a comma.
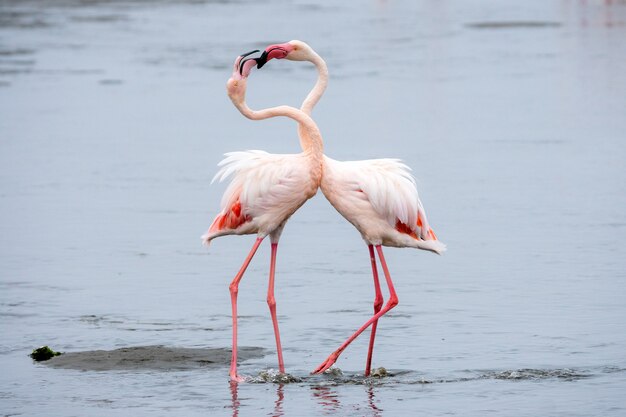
x: 390, y: 188
x: 264, y: 190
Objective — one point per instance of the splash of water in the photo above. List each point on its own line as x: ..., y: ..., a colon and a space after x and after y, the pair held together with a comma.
x: 274, y: 376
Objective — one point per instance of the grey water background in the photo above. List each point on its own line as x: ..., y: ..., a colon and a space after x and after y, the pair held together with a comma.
x: 113, y: 116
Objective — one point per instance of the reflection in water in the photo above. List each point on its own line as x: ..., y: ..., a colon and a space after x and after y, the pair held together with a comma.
x: 594, y: 14
x: 371, y: 401
x: 327, y: 398
x: 325, y: 395
x: 278, y: 404
x: 234, y: 391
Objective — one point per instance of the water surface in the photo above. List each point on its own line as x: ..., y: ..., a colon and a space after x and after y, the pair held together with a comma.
x: 114, y: 116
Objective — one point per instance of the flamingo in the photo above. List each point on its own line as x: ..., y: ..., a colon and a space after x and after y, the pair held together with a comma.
x: 264, y: 191
x: 378, y: 196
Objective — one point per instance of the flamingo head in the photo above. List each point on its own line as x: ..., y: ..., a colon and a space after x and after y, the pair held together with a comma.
x: 236, y: 89
x: 292, y: 50
x: 236, y: 85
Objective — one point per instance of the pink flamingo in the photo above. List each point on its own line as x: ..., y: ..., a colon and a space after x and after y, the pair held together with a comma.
x: 265, y: 190
x: 377, y: 196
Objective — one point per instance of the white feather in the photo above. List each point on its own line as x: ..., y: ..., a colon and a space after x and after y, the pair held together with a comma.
x: 269, y: 187
x: 388, y: 185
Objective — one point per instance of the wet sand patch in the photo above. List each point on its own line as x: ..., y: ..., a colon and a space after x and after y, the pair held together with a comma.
x: 151, y: 357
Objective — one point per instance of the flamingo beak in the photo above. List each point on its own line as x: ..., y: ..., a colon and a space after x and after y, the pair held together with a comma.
x: 279, y: 51
x: 244, y: 65
x: 262, y: 60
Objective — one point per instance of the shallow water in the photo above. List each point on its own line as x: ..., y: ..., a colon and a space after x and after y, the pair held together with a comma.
x: 114, y: 116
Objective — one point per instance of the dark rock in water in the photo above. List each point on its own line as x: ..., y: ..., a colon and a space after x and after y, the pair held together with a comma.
x: 43, y: 354
x: 151, y: 357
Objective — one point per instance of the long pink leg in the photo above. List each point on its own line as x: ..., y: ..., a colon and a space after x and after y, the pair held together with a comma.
x: 378, y: 303
x: 234, y: 289
x: 271, y: 302
x: 391, y: 303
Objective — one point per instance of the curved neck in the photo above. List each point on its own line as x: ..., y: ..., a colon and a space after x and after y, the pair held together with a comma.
x: 320, y: 86
x: 310, y: 139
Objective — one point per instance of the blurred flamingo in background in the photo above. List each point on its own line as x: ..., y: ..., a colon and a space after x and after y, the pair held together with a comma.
x: 265, y: 190
x: 379, y: 197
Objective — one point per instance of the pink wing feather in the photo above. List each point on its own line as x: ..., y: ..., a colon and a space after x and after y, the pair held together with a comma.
x: 390, y: 188
x: 264, y: 191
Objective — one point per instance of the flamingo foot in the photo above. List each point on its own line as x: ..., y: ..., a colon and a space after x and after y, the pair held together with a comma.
x: 330, y: 361
x: 236, y: 378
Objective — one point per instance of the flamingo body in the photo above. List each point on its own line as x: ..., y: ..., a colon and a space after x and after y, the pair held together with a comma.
x: 264, y: 191
x: 379, y: 198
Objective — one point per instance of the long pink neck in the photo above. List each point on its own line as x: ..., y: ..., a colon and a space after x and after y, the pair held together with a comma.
x: 310, y: 137
x: 316, y: 93
x: 320, y: 86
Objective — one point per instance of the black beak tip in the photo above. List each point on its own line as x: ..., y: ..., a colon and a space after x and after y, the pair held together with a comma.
x: 262, y: 60
x: 243, y: 59
x: 248, y: 53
